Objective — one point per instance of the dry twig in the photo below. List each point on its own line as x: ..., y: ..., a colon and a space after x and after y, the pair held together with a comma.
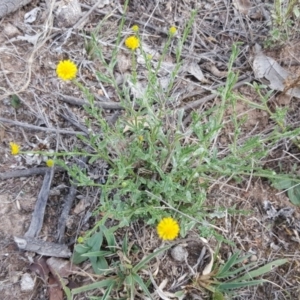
x: 79, y: 102
x: 33, y: 127
x: 28, y: 172
x: 40, y: 206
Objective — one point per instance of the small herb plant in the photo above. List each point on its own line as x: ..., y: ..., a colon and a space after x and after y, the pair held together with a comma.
x: 285, y: 16
x: 159, y: 166
x: 235, y: 274
x: 113, y: 262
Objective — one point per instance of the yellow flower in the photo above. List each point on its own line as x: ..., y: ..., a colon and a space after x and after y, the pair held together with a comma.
x: 172, y: 30
x: 132, y: 42
x: 14, y: 148
x: 168, y: 229
x: 50, y: 163
x: 80, y: 240
x: 135, y: 28
x: 66, y: 70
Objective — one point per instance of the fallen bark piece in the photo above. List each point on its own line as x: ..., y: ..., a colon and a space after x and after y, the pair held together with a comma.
x: 40, y: 206
x: 42, y: 247
x: 8, y: 6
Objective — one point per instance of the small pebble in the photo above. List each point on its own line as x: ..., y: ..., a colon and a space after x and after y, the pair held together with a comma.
x: 253, y: 258
x: 27, y: 283
x: 179, y: 253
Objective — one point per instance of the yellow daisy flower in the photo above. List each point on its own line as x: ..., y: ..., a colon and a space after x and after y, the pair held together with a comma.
x: 50, y: 163
x: 132, y: 42
x: 14, y: 148
x: 66, y: 70
x: 168, y: 229
x: 135, y: 28
x: 172, y: 30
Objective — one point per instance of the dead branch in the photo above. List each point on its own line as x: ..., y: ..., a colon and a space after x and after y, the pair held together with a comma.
x: 40, y: 206
x: 79, y: 102
x: 68, y: 204
x: 33, y: 127
x: 42, y: 247
x: 65, y: 213
x: 28, y: 172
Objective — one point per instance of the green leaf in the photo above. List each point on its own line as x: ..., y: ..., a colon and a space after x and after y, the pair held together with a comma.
x: 237, y: 285
x: 218, y: 296
x: 96, y: 285
x: 141, y: 284
x: 107, y: 292
x: 283, y: 184
x: 296, y: 11
x: 81, y: 248
x: 99, y: 265
x: 125, y: 244
x: 294, y: 194
x: 109, y: 236
x: 95, y: 241
x: 130, y: 284
x: 97, y: 253
x: 77, y: 258
x: 144, y: 261
x: 15, y: 101
x: 238, y: 270
x: 230, y: 262
x: 262, y: 270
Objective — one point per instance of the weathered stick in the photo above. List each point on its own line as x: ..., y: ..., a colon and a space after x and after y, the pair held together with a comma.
x: 40, y: 206
x: 32, y: 127
x: 65, y: 213
x: 79, y: 102
x: 28, y: 172
x: 67, y: 205
x: 42, y: 247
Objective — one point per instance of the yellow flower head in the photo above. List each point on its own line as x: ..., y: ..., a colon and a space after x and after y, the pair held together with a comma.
x: 135, y: 28
x: 172, y: 30
x: 50, y: 163
x: 80, y: 240
x: 66, y: 70
x: 132, y: 42
x: 168, y: 229
x: 14, y: 148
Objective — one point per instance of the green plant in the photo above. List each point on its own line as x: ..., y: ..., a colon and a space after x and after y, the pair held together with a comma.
x: 159, y: 166
x: 285, y: 20
x: 234, y: 274
x: 114, y: 263
x: 291, y: 187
